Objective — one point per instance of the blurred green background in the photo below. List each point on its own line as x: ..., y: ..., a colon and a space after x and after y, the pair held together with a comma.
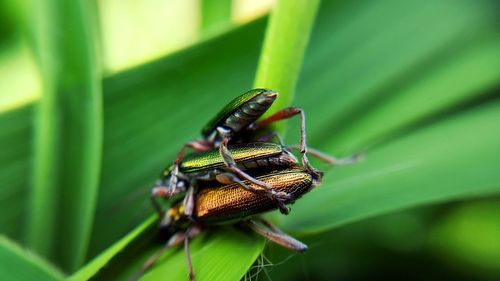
x: 414, y: 84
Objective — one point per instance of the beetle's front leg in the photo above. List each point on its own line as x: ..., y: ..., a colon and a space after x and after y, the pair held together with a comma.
x: 167, y: 191
x: 189, y: 201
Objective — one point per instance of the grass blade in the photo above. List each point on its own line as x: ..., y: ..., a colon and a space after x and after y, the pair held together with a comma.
x: 68, y: 132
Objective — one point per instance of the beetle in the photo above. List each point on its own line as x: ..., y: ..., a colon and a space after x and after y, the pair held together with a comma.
x: 235, y: 123
x: 231, y: 204
x: 239, y: 119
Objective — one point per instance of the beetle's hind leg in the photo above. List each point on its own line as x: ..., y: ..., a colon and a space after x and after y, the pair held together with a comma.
x: 330, y: 159
x: 231, y: 166
x: 278, y: 196
x: 272, y: 233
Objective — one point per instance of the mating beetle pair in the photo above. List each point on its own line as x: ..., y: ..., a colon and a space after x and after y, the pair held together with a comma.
x: 235, y: 123
x: 216, y: 205
x: 233, y: 177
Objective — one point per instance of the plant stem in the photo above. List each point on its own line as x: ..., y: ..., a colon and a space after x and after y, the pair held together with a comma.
x: 285, y: 43
x: 68, y: 134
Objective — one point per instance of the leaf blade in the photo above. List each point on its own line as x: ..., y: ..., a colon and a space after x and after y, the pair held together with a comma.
x: 404, y: 174
x: 68, y: 133
x: 18, y: 264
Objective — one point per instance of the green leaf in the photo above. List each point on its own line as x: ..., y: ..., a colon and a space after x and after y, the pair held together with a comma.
x: 474, y: 65
x: 16, y: 134
x: 235, y: 250
x: 453, y: 159
x: 68, y: 134
x: 138, y: 235
x: 18, y: 264
x: 354, y: 67
x: 428, y: 62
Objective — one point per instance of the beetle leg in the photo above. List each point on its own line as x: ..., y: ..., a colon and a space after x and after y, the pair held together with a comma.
x: 287, y: 113
x: 197, y: 145
x: 191, y: 232
x: 189, y: 201
x: 159, y: 191
x: 229, y: 178
x: 165, y: 191
x: 176, y: 240
x: 277, y: 236
x: 231, y: 165
x: 329, y: 159
x: 174, y: 177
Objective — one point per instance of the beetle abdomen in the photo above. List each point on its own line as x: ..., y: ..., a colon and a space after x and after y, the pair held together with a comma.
x: 232, y: 202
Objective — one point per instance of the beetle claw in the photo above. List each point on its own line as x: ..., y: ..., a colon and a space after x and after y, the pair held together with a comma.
x: 283, y: 208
